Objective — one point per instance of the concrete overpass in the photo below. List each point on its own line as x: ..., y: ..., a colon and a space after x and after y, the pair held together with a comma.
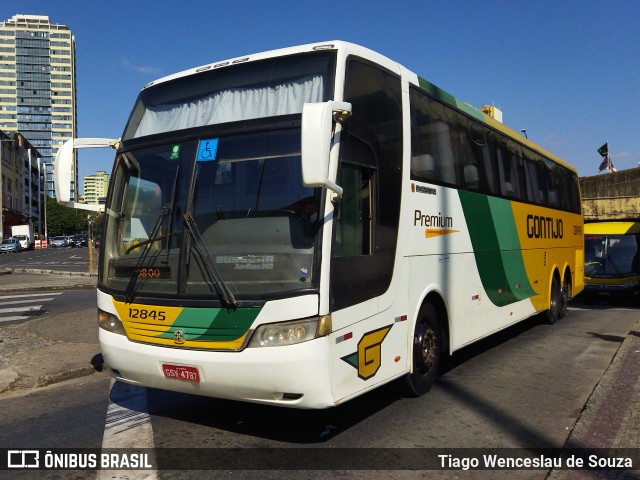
x: 611, y: 196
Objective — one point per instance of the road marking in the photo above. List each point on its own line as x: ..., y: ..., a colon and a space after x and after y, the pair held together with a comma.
x: 128, y: 425
x: 27, y: 304
x: 2, y: 297
x: 20, y: 309
x: 17, y: 317
x: 12, y: 302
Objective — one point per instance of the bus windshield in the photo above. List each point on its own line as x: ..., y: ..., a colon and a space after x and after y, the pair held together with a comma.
x: 211, y: 214
x: 249, y: 91
x: 611, y: 255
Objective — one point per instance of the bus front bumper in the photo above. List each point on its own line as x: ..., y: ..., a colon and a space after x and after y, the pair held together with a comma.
x: 610, y: 289
x: 293, y: 376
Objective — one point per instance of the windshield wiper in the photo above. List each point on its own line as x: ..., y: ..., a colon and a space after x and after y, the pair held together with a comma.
x: 166, y: 211
x: 209, y: 266
x: 129, y: 293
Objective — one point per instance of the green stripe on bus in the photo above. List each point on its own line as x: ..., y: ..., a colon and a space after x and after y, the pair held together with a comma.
x: 496, y: 248
x: 213, y: 324
x: 445, y: 96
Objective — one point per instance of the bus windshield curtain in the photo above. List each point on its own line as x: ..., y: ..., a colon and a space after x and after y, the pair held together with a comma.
x: 231, y: 105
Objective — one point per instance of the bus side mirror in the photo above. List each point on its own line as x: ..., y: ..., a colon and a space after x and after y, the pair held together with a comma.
x: 316, y: 141
x: 63, y: 164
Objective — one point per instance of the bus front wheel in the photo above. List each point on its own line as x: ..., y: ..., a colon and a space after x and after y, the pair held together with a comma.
x: 426, y: 353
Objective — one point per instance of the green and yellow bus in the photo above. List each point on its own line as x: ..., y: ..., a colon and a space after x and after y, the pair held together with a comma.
x: 300, y: 226
x: 612, y: 268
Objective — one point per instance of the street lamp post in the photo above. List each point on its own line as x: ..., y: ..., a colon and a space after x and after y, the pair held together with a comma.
x: 90, y: 245
x: 30, y: 209
x: 39, y: 204
x: 46, y: 233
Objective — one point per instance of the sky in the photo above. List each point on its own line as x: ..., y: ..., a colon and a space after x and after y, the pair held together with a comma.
x: 567, y: 71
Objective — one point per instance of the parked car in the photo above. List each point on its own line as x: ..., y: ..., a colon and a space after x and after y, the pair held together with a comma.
x: 59, y: 241
x: 79, y: 240
x: 10, y: 245
x: 97, y: 241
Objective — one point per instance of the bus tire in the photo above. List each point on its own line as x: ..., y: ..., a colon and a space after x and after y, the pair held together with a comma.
x: 565, y: 295
x: 426, y: 351
x: 552, y: 315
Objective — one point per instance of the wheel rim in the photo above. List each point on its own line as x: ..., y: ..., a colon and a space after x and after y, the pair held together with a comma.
x: 564, y: 295
x: 426, y: 345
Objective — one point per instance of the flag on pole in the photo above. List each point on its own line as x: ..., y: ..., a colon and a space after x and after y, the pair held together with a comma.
x: 606, y: 164
x: 604, y: 149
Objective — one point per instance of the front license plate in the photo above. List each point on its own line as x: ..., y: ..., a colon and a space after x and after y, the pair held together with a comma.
x: 181, y: 372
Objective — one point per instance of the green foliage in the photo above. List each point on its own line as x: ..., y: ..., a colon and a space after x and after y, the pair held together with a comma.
x: 96, y: 222
x: 62, y: 220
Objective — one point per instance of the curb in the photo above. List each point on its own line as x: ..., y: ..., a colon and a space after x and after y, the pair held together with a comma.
x: 12, y: 381
x: 68, y: 280
x: 39, y: 271
x: 52, y: 379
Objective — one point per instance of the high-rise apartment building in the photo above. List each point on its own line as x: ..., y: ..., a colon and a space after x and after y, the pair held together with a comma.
x: 95, y: 188
x: 38, y: 87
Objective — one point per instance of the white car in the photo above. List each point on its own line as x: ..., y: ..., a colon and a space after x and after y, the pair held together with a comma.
x: 59, y: 242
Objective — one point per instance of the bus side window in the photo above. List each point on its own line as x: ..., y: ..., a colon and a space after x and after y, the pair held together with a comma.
x: 432, y: 157
x: 535, y: 186
x: 475, y: 151
x: 553, y: 199
x: 423, y: 167
x: 510, y: 170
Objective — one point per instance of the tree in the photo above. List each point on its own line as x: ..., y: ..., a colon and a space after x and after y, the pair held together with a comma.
x: 95, y: 218
x: 63, y: 220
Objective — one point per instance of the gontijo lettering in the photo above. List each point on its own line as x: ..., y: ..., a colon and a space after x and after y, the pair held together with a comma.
x: 544, y: 227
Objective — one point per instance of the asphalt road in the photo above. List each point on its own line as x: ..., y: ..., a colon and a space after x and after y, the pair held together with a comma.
x: 63, y: 259
x: 525, y: 387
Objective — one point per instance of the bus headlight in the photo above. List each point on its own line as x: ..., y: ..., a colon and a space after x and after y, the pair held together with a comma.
x: 290, y: 333
x: 110, y: 322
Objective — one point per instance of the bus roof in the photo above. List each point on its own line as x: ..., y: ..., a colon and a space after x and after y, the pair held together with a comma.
x: 612, y: 228
x: 353, y: 49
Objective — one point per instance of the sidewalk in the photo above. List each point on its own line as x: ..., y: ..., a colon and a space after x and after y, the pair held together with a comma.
x: 611, y: 417
x: 51, y: 348
x: 55, y: 348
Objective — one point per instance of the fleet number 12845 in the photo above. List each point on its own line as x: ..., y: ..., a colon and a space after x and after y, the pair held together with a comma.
x: 145, y: 314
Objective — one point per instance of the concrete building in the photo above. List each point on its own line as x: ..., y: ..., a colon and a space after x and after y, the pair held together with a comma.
x: 23, y: 200
x: 95, y: 188
x: 611, y: 196
x: 38, y: 87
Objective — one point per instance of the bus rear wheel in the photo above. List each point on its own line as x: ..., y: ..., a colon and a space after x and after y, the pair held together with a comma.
x: 426, y: 353
x: 552, y: 315
x: 565, y: 295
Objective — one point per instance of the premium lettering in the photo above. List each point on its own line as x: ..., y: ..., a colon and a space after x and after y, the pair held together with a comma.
x: 431, y: 220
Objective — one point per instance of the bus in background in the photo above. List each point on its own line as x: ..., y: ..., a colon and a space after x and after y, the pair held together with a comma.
x: 611, y: 263
x: 301, y: 226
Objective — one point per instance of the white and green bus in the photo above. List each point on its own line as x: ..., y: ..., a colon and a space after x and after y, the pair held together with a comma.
x: 301, y: 226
